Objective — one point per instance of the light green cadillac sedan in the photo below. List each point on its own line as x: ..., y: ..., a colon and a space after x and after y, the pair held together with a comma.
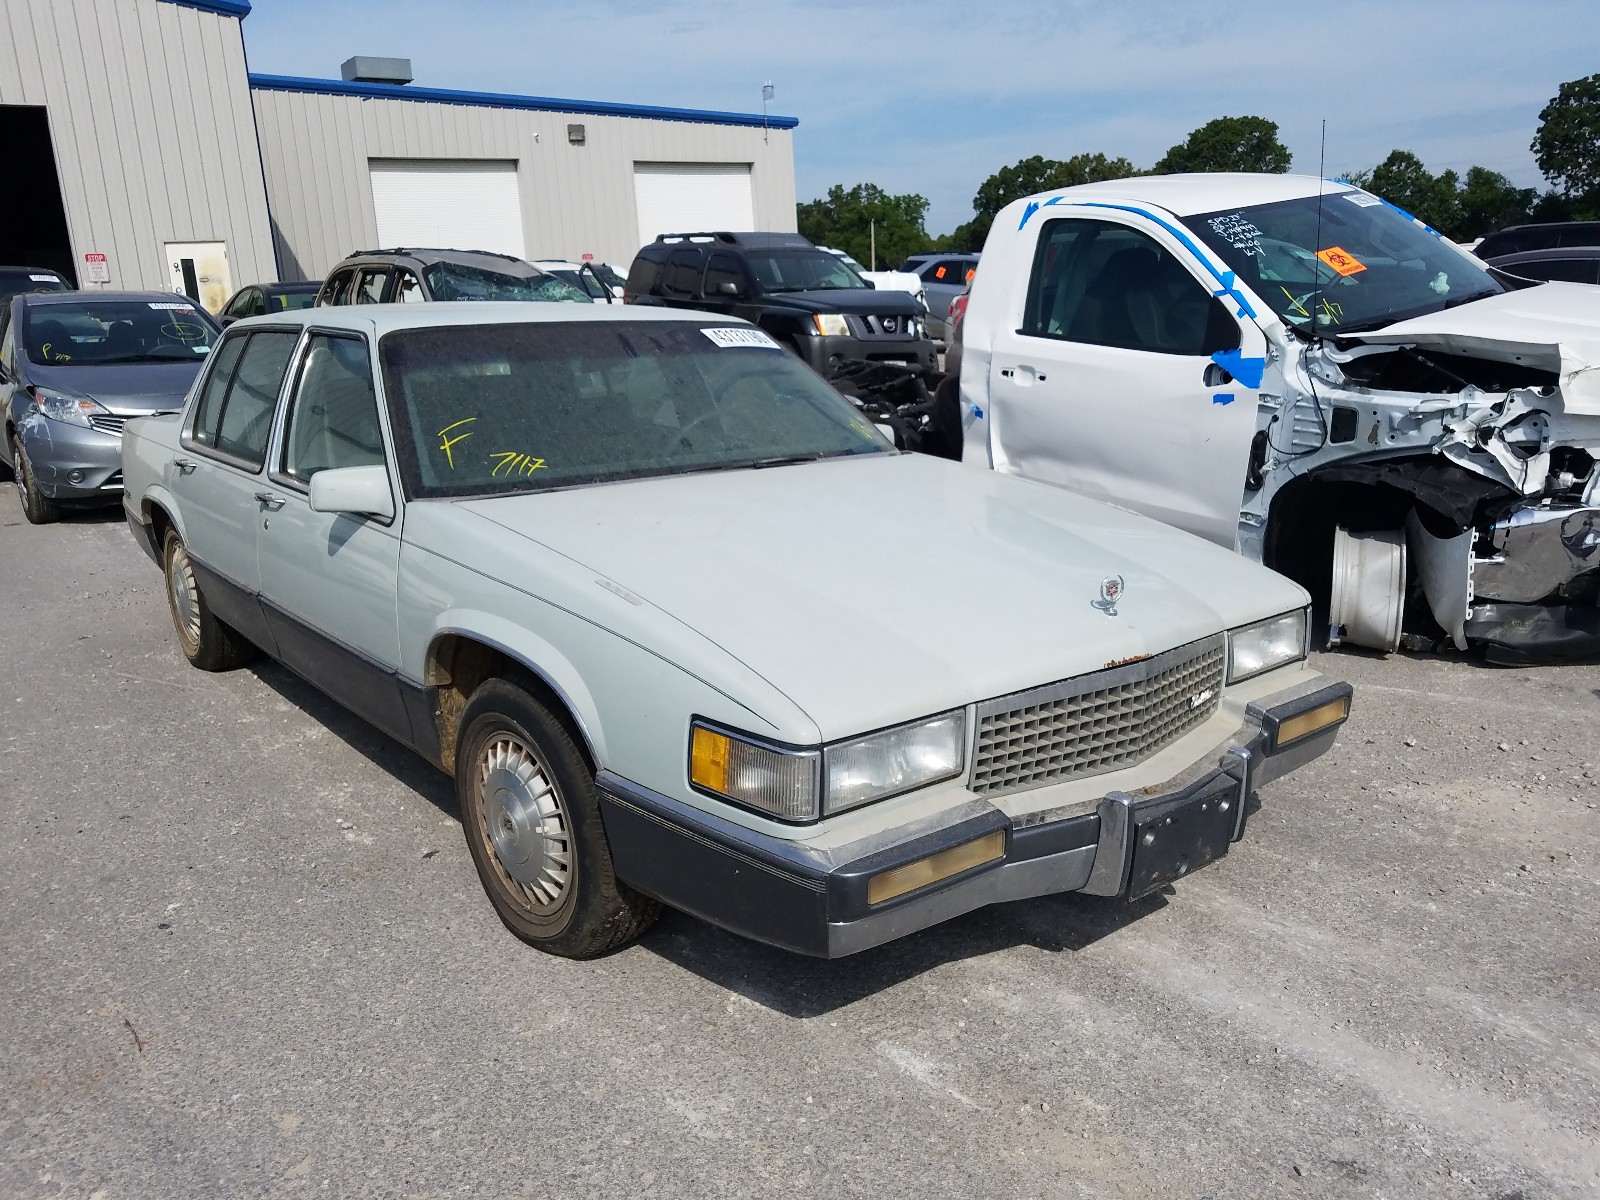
x: 687, y: 630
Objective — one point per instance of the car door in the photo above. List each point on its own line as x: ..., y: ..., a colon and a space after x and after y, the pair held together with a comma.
x: 1104, y: 383
x: 328, y: 580
x: 218, y: 474
x: 680, y: 280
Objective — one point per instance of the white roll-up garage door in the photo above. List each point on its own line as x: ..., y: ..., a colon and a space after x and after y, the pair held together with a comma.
x: 692, y: 198
x: 448, y: 204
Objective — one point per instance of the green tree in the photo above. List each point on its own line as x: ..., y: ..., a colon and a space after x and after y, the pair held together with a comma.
x: 1026, y: 178
x: 1403, y: 181
x: 1567, y: 145
x: 853, y: 219
x: 1228, y: 144
x: 1489, y: 202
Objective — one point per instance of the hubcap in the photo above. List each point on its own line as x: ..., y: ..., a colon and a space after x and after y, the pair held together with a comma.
x: 19, y: 470
x: 185, y: 597
x: 525, y: 822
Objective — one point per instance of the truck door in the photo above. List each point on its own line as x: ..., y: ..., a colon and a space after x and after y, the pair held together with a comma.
x: 1105, y: 382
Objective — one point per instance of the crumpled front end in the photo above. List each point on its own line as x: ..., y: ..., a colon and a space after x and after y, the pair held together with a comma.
x: 1437, y: 487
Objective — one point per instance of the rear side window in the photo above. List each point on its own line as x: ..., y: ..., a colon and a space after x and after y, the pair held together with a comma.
x: 1566, y: 270
x: 1108, y: 285
x: 208, y: 412
x: 642, y: 276
x: 339, y: 288
x: 683, y: 272
x: 245, y: 419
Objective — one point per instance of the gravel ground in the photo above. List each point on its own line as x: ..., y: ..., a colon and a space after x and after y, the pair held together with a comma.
x: 243, y: 953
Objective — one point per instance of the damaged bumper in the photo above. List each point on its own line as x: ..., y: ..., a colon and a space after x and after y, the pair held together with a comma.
x: 833, y: 903
x: 73, y: 464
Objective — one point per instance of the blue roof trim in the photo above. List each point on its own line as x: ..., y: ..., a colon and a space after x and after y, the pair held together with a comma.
x: 597, y: 108
x: 223, y: 8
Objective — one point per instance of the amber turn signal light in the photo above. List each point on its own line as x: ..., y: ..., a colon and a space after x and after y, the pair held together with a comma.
x: 1309, y: 722
x: 936, y: 867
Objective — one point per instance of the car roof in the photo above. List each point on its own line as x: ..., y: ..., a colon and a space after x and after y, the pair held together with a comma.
x: 467, y: 258
x: 382, y: 318
x: 293, y: 285
x: 1185, y: 195
x: 1550, y: 252
x: 559, y: 264
x: 97, y: 296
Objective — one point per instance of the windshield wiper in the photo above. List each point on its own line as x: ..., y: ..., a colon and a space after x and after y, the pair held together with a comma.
x: 1458, y: 301
x: 785, y: 460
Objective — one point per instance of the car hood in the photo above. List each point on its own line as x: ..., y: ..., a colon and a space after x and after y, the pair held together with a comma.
x: 849, y: 300
x: 127, y: 389
x: 876, y: 590
x: 1553, y: 327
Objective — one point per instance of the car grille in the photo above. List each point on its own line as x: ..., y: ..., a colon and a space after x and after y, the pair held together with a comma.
x: 106, y: 423
x: 1096, y: 723
x: 886, y: 325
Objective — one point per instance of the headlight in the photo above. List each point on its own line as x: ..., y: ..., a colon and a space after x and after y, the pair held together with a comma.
x: 894, y: 761
x: 1253, y: 649
x: 831, y: 324
x: 796, y: 783
x: 68, y: 407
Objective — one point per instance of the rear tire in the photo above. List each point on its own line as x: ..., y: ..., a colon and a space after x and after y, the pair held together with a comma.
x: 205, y: 641
x: 531, y: 817
x: 38, y: 508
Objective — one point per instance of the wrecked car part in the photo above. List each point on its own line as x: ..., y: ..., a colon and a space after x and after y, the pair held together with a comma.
x: 1369, y: 589
x: 1444, y: 568
x: 1539, y: 553
x: 1524, y: 634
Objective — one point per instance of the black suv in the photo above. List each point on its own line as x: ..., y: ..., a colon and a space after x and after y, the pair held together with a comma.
x: 804, y: 297
x: 1552, y: 235
x: 402, y: 276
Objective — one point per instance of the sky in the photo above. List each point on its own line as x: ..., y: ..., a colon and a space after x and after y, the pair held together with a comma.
x: 932, y: 97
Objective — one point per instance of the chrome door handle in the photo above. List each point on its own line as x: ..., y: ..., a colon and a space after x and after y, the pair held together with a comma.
x: 269, y: 500
x: 185, y: 466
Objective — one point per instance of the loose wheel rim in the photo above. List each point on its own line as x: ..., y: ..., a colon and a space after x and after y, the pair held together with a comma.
x: 184, y: 595
x: 525, y: 824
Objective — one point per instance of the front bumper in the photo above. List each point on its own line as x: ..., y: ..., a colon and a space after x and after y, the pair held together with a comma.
x: 72, y: 464
x: 824, y: 354
x: 788, y: 894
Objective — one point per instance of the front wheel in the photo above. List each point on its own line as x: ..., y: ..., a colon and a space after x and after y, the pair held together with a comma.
x: 37, y: 507
x: 531, y: 817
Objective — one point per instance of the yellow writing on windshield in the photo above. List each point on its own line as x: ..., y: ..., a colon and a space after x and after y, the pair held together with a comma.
x: 513, y: 463
x: 446, y: 441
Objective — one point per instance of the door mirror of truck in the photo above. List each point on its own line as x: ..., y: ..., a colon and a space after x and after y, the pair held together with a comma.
x: 729, y: 288
x: 356, y: 491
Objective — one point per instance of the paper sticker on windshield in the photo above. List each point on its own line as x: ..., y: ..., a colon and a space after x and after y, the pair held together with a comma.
x: 1341, y: 260
x: 161, y: 307
x: 733, y: 338
x: 1361, y: 199
x: 45, y: 278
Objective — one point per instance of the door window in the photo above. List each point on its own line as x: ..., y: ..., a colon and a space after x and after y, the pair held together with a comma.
x: 252, y: 395
x: 720, y: 269
x: 370, y: 288
x: 953, y: 271
x: 1569, y: 270
x: 407, y: 288
x: 683, y: 272
x: 333, y: 421
x: 339, y: 288
x: 1109, y: 285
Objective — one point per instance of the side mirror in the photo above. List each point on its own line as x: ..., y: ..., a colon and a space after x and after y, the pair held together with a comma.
x: 729, y: 288
x: 358, y: 491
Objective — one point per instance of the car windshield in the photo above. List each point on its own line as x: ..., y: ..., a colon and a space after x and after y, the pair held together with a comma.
x: 1356, y: 264
x: 20, y: 279
x: 94, y: 332
x: 801, y: 271
x: 486, y: 409
x: 454, y: 281
x: 283, y: 301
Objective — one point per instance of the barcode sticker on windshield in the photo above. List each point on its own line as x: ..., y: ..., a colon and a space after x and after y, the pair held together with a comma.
x: 45, y: 278
x: 162, y: 307
x: 733, y: 338
x: 1362, y: 199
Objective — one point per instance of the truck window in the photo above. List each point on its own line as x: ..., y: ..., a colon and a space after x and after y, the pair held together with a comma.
x: 683, y: 272
x: 1109, y: 285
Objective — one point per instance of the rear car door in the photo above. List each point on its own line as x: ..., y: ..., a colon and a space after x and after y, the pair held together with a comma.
x: 218, y: 474
x: 1101, y: 378
x: 328, y: 580
x: 680, y: 280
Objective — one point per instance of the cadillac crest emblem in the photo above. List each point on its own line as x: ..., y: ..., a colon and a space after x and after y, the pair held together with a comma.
x: 1110, y: 593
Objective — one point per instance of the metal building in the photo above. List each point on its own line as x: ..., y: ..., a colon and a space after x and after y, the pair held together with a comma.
x: 144, y: 155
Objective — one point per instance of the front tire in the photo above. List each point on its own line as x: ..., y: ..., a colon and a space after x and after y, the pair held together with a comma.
x: 37, y: 507
x: 205, y: 641
x: 531, y: 817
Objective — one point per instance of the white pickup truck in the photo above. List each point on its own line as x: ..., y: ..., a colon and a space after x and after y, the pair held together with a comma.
x: 1297, y: 370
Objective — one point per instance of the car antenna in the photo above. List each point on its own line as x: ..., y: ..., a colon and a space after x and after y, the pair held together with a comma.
x: 1322, y: 180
